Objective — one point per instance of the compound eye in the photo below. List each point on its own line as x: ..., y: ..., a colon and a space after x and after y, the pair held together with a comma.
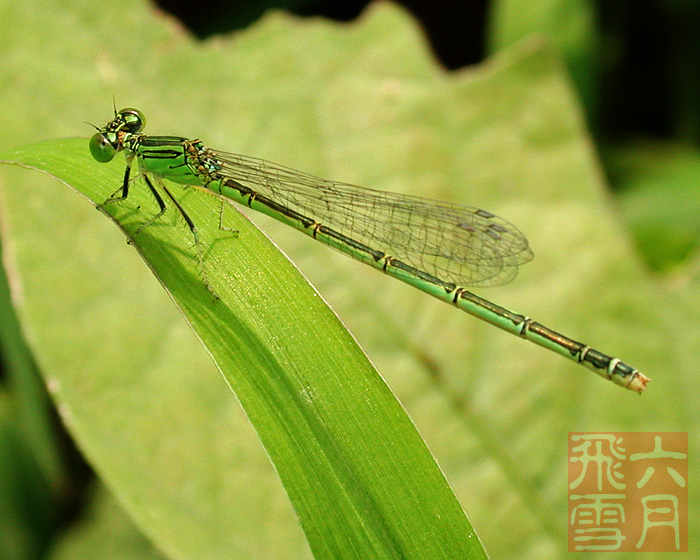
x: 101, y: 148
x: 133, y: 119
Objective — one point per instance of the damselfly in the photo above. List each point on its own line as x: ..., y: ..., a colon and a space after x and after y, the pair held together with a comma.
x: 434, y: 246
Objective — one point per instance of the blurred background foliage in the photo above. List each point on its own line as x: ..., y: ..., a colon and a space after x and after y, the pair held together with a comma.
x: 636, y: 67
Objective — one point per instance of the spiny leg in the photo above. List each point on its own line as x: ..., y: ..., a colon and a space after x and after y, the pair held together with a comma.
x: 190, y: 224
x: 159, y: 199
x: 124, y: 189
x: 222, y: 227
x: 124, y: 194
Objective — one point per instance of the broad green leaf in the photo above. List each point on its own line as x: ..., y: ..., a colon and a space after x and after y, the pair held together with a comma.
x: 361, y: 103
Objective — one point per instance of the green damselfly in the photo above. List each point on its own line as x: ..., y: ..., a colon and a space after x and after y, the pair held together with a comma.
x: 434, y: 246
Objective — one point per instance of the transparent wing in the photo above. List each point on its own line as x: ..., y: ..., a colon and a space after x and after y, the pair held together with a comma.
x: 459, y: 244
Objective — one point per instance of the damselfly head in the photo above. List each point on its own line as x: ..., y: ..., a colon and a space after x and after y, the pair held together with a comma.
x: 110, y: 139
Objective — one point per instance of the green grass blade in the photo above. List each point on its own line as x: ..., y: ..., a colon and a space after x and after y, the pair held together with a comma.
x: 361, y: 479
